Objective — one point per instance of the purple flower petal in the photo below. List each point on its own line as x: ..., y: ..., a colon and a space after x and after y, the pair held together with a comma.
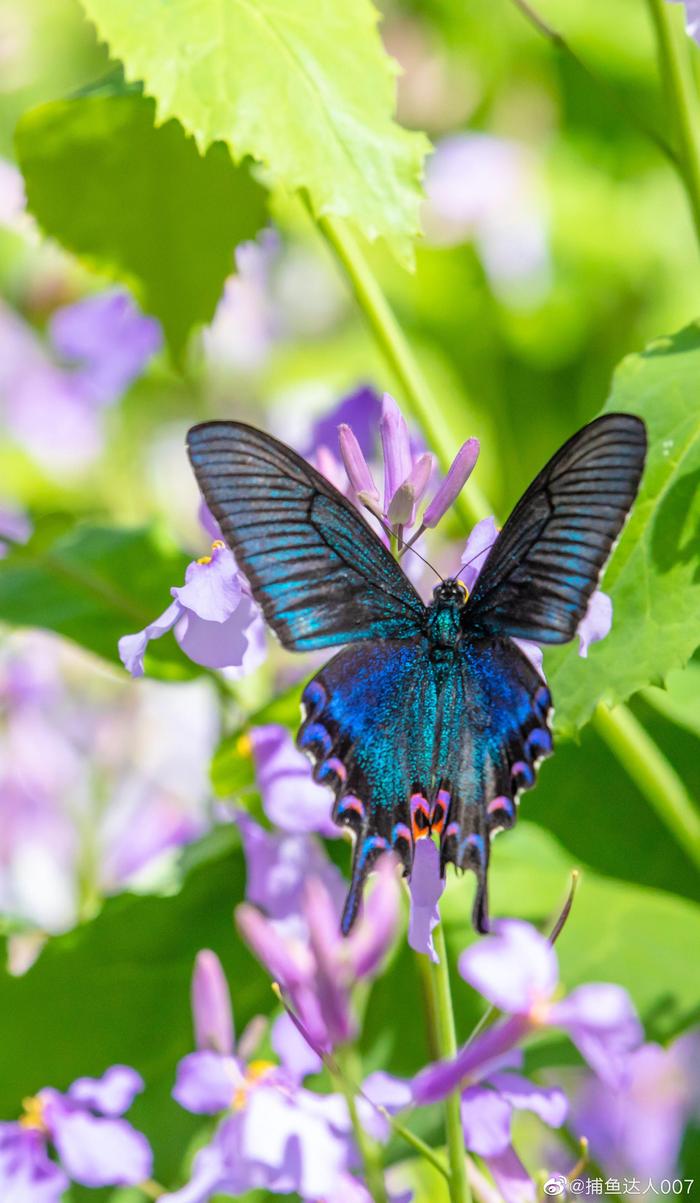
x: 426, y: 887
x: 238, y: 644
x: 511, y: 1177
x: 638, y: 1129
x: 478, y: 545
x: 14, y: 527
x: 533, y: 651
x: 514, y: 968
x: 292, y: 1138
x: 596, y: 622
x: 360, y: 411
x: 475, y: 1060
x: 212, y: 588
x: 692, y: 18
x: 396, y: 445
x: 382, y: 1090
x: 355, y: 463
x: 374, y: 933
x: 549, y: 1103
x: 108, y: 339
x: 459, y: 472
x: 277, y: 868
x: 330, y: 986
x: 211, y: 1005
x: 97, y: 1152
x: 485, y: 1120
x: 112, y: 1094
x: 603, y: 1024
x: 210, y: 1175
x: 291, y: 798
x: 287, y: 962
x: 132, y: 648
x: 207, y: 1082
x: 402, y: 507
x: 295, y: 1054
x: 27, y: 1174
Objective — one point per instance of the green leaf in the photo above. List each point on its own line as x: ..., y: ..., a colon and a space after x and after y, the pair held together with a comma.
x: 138, y: 202
x: 117, y: 990
x: 93, y: 585
x: 302, y: 87
x: 680, y: 700
x: 653, y: 577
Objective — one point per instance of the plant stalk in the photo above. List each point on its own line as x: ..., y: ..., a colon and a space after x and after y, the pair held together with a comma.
x: 471, y: 505
x: 652, y: 773
x: 673, y: 53
x: 366, y: 1146
x: 445, y: 1036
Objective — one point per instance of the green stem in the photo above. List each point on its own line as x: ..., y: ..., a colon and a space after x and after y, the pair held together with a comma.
x: 652, y: 773
x: 471, y: 504
x: 674, y: 63
x: 560, y: 44
x: 367, y: 1148
x: 445, y: 1036
x: 415, y: 1141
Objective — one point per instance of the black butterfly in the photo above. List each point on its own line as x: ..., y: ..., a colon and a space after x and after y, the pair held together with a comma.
x: 431, y: 720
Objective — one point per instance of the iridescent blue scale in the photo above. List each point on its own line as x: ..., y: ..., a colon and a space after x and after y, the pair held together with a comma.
x: 430, y: 720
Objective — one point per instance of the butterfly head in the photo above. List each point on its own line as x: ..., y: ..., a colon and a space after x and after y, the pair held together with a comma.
x: 451, y: 592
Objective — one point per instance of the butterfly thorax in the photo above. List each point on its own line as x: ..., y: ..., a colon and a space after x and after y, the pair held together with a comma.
x: 444, y: 612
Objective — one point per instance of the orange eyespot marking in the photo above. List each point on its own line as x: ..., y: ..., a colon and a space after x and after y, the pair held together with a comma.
x: 33, y: 1115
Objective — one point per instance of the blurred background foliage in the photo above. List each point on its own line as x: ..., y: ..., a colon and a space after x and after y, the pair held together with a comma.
x: 519, y: 357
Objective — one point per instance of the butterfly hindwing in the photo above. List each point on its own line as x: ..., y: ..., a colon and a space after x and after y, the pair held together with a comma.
x: 547, y: 560
x: 413, y: 745
x: 320, y: 574
x: 368, y: 727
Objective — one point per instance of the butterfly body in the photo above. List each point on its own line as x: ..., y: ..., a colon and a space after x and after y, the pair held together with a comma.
x: 430, y: 720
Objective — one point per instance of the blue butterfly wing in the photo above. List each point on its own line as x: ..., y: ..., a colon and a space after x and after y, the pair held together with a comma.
x: 369, y: 729
x: 412, y: 745
x: 547, y: 560
x: 320, y: 574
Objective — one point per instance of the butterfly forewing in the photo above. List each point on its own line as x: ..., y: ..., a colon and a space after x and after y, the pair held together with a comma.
x: 320, y: 574
x: 546, y: 563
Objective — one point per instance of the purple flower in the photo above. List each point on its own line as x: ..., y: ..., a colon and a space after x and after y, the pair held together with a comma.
x: 426, y: 887
x: 95, y: 1146
x: 318, y: 973
x: 211, y: 1005
x: 278, y: 866
x: 291, y: 798
x: 274, y: 1134
x: 515, y: 968
x: 407, y: 474
x: 359, y: 410
x: 483, y: 188
x: 638, y: 1128
x: 215, y: 619
x: 15, y: 527
x: 52, y: 407
x: 692, y: 17
x: 106, y: 342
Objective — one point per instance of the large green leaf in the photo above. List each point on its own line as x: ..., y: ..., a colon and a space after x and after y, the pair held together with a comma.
x: 139, y: 202
x: 93, y: 584
x: 653, y: 577
x: 117, y: 991
x: 304, y: 88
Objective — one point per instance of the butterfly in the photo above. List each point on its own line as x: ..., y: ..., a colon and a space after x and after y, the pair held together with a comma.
x: 430, y: 720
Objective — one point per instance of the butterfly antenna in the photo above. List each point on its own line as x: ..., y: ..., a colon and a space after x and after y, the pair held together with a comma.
x: 409, y: 547
x: 476, y: 556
